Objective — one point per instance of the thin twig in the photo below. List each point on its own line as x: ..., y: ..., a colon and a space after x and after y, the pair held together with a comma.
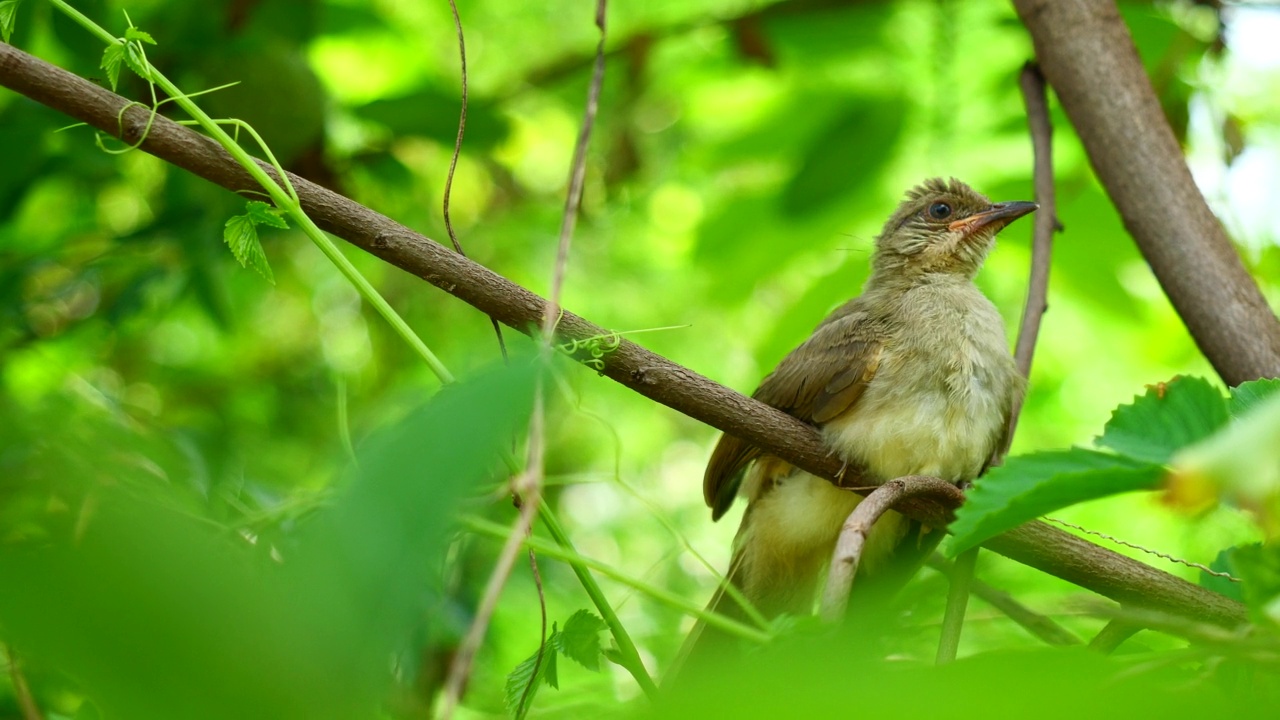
x: 1166, y: 556
x: 21, y: 691
x: 542, y: 645
x: 573, y: 201
x: 1039, y: 625
x: 1113, y: 635
x: 957, y: 603
x: 460, y: 668
x: 453, y: 163
x: 1046, y: 222
x: 527, y: 486
x: 853, y: 535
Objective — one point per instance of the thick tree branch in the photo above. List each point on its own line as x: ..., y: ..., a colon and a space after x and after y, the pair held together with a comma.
x: 1036, y: 544
x: 1087, y: 55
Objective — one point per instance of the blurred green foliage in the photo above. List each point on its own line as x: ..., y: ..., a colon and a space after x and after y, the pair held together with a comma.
x: 745, y: 157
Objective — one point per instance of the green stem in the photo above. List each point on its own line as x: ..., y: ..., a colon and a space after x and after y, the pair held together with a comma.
x: 629, y: 656
x: 549, y: 549
x: 282, y: 196
x: 957, y: 602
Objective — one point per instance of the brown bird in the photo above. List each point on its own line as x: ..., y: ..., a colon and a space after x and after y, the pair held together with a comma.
x: 912, y: 377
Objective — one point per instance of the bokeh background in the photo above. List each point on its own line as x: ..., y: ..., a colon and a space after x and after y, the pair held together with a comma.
x: 745, y: 156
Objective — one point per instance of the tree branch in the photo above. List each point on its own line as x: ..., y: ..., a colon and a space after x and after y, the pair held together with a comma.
x: 1036, y: 544
x: 853, y: 535
x: 1087, y: 55
x: 1042, y: 626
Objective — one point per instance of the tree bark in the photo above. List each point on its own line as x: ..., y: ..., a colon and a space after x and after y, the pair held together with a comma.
x: 1085, y: 52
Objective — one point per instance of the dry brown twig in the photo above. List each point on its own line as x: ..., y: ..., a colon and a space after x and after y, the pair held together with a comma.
x: 453, y: 161
x: 527, y: 486
x: 853, y: 535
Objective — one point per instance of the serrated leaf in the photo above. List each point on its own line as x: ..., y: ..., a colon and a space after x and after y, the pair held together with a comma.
x: 1246, y: 395
x: 1169, y: 417
x: 134, y: 33
x: 241, y: 235
x: 263, y: 214
x: 112, y: 58
x: 580, y: 639
x: 8, y: 17
x: 1026, y: 487
x: 523, y: 684
x: 136, y: 60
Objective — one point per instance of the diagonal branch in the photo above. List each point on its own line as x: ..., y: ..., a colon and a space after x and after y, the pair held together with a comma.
x: 853, y: 535
x: 1036, y: 544
x: 1086, y: 53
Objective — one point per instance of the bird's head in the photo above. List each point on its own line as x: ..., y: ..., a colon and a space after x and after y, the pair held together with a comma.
x: 942, y: 228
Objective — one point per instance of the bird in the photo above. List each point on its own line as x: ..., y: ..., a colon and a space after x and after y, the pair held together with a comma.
x: 912, y: 377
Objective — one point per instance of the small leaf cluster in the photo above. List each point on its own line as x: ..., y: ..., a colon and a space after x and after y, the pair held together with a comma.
x: 579, y: 641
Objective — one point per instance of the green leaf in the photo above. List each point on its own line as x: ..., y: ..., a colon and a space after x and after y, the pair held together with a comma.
x: 1029, y: 486
x: 241, y: 235
x: 1258, y: 567
x: 134, y: 33
x: 1246, y: 395
x: 1225, y: 562
x: 263, y: 214
x: 112, y: 58
x: 8, y: 13
x: 1169, y: 417
x: 580, y: 639
x: 136, y: 60
x: 845, y: 156
x: 210, y: 620
x: 523, y: 684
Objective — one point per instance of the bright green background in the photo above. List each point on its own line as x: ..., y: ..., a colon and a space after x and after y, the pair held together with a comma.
x: 745, y: 156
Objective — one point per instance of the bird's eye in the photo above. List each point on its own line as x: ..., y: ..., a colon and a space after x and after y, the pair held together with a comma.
x: 939, y: 211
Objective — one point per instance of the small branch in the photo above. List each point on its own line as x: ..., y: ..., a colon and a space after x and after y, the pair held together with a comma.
x: 1046, y: 222
x: 853, y: 535
x: 1113, y: 635
x: 573, y: 200
x: 957, y: 602
x: 1035, y: 544
x: 1088, y: 56
x: 1041, y: 626
x: 21, y: 691
x: 453, y: 161
x: 460, y: 668
x: 542, y: 644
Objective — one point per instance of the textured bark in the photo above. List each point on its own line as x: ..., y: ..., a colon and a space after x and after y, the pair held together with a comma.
x: 1085, y: 52
x: 1035, y: 544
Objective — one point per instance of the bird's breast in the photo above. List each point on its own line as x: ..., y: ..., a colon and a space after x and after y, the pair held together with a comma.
x: 940, y: 400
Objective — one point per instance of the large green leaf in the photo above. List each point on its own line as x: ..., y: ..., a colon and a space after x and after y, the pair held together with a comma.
x: 846, y: 156
x: 1026, y: 487
x: 159, y: 613
x: 1246, y: 395
x: 1167, y: 418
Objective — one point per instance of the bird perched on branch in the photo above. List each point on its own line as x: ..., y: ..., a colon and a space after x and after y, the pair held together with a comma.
x: 912, y: 377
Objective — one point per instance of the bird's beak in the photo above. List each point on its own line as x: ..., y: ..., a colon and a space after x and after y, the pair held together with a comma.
x: 1000, y: 214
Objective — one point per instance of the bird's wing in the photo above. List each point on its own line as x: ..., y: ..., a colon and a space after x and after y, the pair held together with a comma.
x: 817, y: 382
